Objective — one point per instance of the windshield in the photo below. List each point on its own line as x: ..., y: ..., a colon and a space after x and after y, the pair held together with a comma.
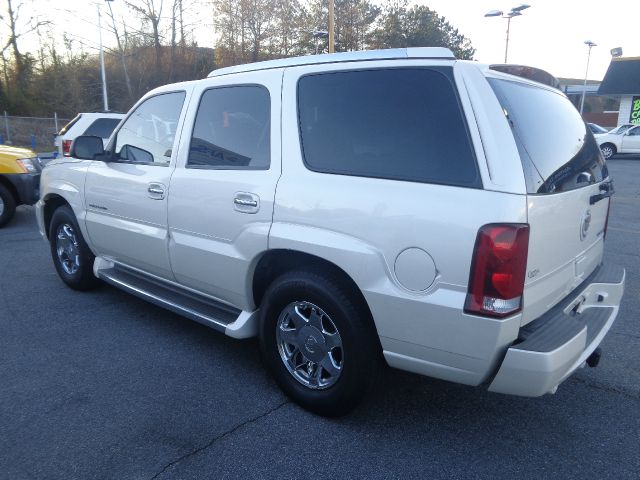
x: 557, y: 150
x: 621, y: 129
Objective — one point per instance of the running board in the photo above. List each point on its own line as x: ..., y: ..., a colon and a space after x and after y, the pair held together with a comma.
x: 206, y: 311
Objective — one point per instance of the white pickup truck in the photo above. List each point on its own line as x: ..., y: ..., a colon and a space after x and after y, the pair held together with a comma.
x: 444, y: 216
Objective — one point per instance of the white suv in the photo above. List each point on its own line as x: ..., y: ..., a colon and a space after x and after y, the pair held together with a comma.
x: 94, y: 124
x: 442, y: 215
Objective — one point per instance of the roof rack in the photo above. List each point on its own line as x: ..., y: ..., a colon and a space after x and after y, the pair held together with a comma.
x: 389, y: 54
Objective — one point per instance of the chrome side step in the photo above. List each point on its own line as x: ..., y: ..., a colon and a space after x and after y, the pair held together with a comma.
x: 203, y: 310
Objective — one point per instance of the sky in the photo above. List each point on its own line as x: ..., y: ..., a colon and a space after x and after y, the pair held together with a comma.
x: 549, y: 35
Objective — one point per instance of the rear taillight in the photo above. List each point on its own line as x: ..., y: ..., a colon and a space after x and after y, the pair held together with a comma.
x: 66, y: 148
x: 498, y: 270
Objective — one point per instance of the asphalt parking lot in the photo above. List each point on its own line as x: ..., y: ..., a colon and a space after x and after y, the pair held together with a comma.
x: 103, y: 385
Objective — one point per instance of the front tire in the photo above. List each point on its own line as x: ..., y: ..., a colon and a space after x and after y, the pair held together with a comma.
x: 608, y: 150
x: 7, y: 205
x: 319, y: 342
x: 70, y: 253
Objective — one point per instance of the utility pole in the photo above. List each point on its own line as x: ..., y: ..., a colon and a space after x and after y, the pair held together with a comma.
x: 104, y: 75
x: 331, y: 25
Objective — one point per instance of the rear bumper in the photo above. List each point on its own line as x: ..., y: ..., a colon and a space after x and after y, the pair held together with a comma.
x: 27, y: 186
x: 552, y: 347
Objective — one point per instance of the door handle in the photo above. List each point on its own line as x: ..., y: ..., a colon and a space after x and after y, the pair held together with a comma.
x: 245, y: 202
x: 156, y: 191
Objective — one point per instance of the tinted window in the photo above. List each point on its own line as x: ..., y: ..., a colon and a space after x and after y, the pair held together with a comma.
x: 102, y: 127
x: 554, y: 143
x: 634, y: 132
x: 148, y: 133
x: 232, y: 129
x: 403, y: 124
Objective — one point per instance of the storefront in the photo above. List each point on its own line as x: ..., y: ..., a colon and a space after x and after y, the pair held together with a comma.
x: 623, y: 80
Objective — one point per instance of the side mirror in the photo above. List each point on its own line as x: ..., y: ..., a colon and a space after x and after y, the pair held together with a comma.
x: 87, y: 147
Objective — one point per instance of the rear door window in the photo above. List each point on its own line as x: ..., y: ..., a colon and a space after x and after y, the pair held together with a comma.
x: 102, y: 127
x: 400, y: 124
x: 232, y: 129
x: 558, y: 151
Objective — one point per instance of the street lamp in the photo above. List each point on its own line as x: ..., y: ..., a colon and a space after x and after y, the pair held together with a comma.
x: 318, y: 34
x: 514, y: 12
x: 590, y: 44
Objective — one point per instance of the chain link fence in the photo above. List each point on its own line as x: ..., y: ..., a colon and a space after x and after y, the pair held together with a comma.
x: 36, y: 133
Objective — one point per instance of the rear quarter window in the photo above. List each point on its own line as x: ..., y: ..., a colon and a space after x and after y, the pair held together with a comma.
x: 401, y: 124
x: 102, y: 127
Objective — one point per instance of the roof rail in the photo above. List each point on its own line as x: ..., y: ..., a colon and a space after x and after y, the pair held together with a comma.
x: 389, y: 54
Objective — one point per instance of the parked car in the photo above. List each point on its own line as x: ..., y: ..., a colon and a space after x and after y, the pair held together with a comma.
x: 453, y: 227
x: 619, y: 130
x: 595, y: 128
x: 99, y: 124
x: 19, y: 180
x: 626, y: 141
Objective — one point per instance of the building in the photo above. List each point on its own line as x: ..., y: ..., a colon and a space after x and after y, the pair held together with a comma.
x: 623, y: 80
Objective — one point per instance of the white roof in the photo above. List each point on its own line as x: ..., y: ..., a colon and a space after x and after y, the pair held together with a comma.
x: 390, y: 54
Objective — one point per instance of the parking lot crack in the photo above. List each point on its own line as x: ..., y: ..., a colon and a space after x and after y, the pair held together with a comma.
x: 218, y: 438
x: 606, y: 388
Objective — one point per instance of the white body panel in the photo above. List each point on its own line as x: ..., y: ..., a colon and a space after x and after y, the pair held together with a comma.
x: 363, y: 224
x: 214, y: 243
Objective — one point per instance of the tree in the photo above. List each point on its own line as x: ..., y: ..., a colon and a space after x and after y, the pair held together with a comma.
x: 151, y: 14
x: 22, y: 66
x: 418, y: 26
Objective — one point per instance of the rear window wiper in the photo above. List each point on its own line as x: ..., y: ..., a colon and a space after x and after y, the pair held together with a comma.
x: 607, y: 190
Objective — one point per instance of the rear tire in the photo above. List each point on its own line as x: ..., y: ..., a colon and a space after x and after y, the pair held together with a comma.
x: 608, y: 150
x: 7, y: 205
x: 70, y: 253
x: 319, y: 342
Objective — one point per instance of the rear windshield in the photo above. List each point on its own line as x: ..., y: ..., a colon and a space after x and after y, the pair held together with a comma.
x: 66, y: 128
x: 102, y: 127
x: 558, y: 151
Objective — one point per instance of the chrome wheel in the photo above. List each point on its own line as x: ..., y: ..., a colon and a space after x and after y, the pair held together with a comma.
x: 310, y: 345
x: 68, y: 249
x: 607, y: 151
x: 1, y: 206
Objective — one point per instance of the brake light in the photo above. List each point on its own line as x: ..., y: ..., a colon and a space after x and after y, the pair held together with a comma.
x: 66, y: 148
x: 496, y: 281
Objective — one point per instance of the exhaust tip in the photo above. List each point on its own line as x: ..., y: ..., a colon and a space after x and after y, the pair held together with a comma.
x: 594, y: 359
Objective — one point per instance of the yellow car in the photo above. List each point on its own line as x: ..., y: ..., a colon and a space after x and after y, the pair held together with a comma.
x: 19, y: 180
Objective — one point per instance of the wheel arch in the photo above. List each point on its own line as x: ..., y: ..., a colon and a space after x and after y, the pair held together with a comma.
x: 276, y: 262
x: 11, y: 187
x: 51, y: 203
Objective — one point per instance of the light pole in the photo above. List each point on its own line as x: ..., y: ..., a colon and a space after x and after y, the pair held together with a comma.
x: 514, y: 12
x: 590, y: 44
